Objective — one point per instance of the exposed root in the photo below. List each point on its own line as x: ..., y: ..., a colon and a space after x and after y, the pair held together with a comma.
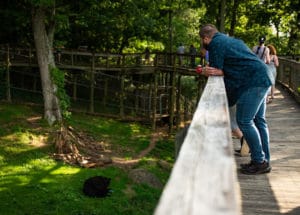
x: 77, y: 149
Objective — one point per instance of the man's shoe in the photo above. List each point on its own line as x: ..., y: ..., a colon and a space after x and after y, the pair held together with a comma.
x: 254, y: 168
x: 246, y: 165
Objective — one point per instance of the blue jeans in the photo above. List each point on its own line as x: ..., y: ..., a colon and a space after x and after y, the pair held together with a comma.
x: 250, y: 114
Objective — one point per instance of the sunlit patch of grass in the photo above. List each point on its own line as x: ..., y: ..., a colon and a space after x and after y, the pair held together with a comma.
x: 17, y: 138
x: 65, y: 171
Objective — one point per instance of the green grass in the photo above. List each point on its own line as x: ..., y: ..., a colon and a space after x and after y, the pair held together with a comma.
x: 31, y: 182
x: 130, y: 137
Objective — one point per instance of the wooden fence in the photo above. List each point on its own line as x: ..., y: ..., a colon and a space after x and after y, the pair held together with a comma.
x: 122, y: 85
x: 203, y: 180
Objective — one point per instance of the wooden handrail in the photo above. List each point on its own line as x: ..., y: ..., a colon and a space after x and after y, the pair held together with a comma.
x: 288, y: 75
x: 203, y: 180
x: 78, y: 58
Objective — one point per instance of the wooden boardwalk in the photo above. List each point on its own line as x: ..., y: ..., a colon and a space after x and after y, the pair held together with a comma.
x: 276, y: 193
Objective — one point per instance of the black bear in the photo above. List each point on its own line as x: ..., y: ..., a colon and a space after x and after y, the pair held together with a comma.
x: 96, y: 186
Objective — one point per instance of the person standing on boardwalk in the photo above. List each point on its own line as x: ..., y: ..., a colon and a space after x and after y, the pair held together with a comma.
x: 261, y: 50
x: 180, y: 52
x: 247, y: 82
x: 147, y: 55
x: 263, y: 53
x: 193, y: 53
x: 272, y: 67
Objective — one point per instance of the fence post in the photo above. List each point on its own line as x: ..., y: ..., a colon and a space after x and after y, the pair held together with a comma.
x: 92, y: 83
x: 178, y: 106
x: 154, y: 104
x: 122, y: 94
x: 8, y: 92
x: 172, y: 99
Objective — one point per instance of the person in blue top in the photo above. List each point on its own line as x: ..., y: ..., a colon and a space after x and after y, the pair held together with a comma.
x: 247, y: 82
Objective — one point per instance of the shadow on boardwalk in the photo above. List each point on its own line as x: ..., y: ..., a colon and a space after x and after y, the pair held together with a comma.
x: 276, y: 193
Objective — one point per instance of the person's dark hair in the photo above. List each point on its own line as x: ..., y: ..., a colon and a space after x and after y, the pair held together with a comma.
x: 262, y: 39
x: 208, y: 30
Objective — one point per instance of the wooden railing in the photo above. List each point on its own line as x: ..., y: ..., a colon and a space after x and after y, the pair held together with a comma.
x: 84, y: 60
x: 203, y: 179
x: 288, y: 74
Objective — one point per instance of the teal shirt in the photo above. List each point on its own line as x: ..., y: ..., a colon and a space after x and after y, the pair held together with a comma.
x: 242, y: 68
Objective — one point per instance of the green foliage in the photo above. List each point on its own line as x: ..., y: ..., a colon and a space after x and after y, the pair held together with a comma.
x: 33, y: 183
x: 186, y: 28
x: 58, y: 78
x: 130, y: 26
x: 189, y: 87
x: 139, y: 46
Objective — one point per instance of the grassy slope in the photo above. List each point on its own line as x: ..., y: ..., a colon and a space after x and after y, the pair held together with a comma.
x: 33, y: 183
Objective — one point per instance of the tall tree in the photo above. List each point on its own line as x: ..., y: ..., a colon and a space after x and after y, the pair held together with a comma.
x: 233, y: 17
x: 294, y: 39
x: 222, y: 16
x: 43, y: 25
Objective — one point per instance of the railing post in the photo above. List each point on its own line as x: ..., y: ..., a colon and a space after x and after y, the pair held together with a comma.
x: 178, y: 106
x: 121, y: 96
x: 8, y: 93
x: 72, y: 58
x: 74, y: 96
x: 105, y: 92
x: 92, y: 83
x: 154, y: 101
x: 172, y: 99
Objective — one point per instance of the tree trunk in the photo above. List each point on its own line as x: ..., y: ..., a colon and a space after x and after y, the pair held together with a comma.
x: 43, y: 45
x: 222, y: 15
x: 233, y: 17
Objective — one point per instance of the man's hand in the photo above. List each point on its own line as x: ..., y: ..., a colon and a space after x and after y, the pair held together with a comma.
x: 209, y: 71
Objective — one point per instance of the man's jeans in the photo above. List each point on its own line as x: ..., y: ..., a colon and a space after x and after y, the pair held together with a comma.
x: 250, y: 114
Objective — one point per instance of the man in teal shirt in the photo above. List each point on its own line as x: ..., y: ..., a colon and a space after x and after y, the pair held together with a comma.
x: 247, y: 83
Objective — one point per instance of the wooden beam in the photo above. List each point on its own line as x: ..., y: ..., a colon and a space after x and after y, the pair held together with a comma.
x: 203, y: 180
x: 154, y: 103
x: 92, y: 86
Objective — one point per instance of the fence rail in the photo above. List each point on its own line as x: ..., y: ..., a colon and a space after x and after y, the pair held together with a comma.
x: 102, y: 61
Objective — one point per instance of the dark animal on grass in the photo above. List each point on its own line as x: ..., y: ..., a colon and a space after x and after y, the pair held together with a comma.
x: 96, y: 186
x: 166, y: 120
